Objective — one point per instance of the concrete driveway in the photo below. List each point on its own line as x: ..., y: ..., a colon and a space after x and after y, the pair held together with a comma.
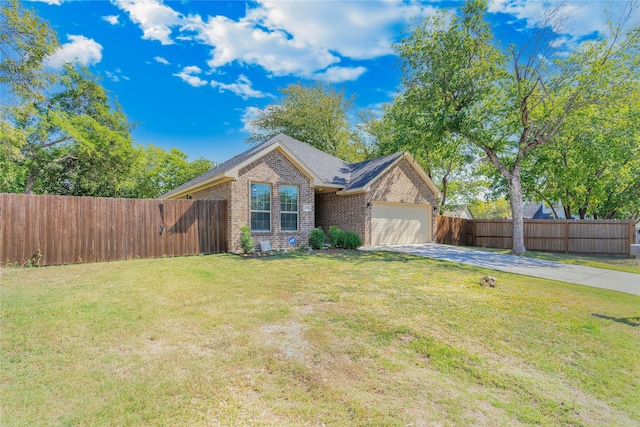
x: 581, y: 275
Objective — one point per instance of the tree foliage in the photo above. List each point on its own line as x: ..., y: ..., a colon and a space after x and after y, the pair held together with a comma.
x: 445, y: 158
x: 592, y: 165
x: 25, y: 42
x: 509, y: 104
x: 490, y: 209
x: 61, y: 134
x: 72, y: 142
x: 315, y: 114
x: 158, y: 171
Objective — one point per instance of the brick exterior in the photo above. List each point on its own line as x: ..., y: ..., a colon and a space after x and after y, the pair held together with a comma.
x: 347, y: 212
x: 275, y: 169
x: 400, y: 184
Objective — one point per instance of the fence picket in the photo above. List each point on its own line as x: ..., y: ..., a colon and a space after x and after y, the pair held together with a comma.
x: 610, y: 237
x: 68, y: 229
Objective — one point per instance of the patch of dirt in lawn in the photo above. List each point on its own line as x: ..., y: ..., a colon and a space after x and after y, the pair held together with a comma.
x: 288, y: 338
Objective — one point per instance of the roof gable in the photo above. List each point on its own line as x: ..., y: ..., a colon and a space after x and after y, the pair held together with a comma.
x: 366, y: 173
x: 322, y: 168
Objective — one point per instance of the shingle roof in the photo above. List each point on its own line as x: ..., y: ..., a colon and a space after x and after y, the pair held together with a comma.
x: 362, y: 173
x: 529, y: 210
x: 325, y: 166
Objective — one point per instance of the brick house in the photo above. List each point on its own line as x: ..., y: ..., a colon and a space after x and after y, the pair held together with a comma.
x: 283, y: 188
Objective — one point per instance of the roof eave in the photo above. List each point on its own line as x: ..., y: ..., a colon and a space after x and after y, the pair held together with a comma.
x: 233, y: 172
x: 353, y: 191
x: 412, y: 162
x: 217, y: 179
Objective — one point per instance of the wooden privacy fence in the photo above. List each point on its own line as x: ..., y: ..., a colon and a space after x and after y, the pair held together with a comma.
x: 49, y: 230
x: 451, y: 231
x: 569, y: 236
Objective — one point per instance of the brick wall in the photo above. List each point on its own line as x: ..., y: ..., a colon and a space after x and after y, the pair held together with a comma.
x: 275, y: 169
x: 401, y: 184
x: 347, y: 212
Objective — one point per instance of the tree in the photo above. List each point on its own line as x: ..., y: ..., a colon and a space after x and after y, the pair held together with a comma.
x: 592, y: 165
x: 446, y: 161
x: 509, y: 104
x: 25, y: 42
x: 490, y: 209
x: 315, y: 114
x: 158, y: 171
x: 73, y: 142
x: 61, y: 134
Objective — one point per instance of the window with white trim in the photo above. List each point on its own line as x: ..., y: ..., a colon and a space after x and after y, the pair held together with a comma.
x: 288, y: 208
x: 260, y: 207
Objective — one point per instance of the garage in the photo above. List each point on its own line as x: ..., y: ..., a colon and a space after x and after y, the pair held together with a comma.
x: 397, y: 224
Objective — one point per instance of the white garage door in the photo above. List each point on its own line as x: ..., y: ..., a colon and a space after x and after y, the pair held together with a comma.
x: 397, y: 224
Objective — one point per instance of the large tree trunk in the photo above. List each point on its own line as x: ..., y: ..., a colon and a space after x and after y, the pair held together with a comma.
x: 443, y: 200
x: 512, y: 175
x: 28, y: 188
x: 515, y: 192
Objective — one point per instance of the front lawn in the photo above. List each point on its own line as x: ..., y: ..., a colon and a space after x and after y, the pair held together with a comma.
x: 322, y: 339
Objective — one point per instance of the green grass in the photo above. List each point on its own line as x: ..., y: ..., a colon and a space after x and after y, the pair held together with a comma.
x: 328, y: 338
x: 618, y: 263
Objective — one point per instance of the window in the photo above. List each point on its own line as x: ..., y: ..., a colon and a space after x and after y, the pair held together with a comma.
x: 260, y: 207
x: 288, y: 208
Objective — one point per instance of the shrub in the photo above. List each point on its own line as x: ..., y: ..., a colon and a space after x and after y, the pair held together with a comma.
x: 316, y: 238
x: 246, y: 241
x: 334, y: 235
x: 350, y: 240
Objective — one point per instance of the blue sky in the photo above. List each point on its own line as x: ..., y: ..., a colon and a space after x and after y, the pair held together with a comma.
x: 191, y: 74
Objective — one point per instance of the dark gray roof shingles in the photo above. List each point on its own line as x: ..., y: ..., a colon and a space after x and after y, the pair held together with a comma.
x: 327, y: 167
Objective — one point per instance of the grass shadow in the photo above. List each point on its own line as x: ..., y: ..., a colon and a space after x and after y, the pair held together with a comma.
x: 631, y: 321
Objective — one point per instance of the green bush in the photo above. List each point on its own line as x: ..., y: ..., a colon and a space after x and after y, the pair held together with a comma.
x: 316, y: 238
x: 350, y: 240
x: 246, y: 241
x: 334, y: 235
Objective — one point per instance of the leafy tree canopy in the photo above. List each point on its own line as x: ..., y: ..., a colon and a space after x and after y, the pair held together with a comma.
x: 509, y: 103
x: 315, y: 114
x: 61, y: 134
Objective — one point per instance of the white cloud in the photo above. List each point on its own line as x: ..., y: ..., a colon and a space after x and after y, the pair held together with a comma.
x: 242, y: 88
x: 154, y: 18
x: 341, y: 74
x: 248, y: 115
x: 111, y: 19
x: 245, y: 43
x: 582, y: 17
x: 112, y: 76
x: 80, y: 50
x: 354, y: 29
x: 161, y: 60
x: 51, y: 2
x: 116, y: 75
x: 187, y: 75
x: 284, y: 38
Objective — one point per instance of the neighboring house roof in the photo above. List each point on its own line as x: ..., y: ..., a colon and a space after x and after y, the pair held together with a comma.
x: 322, y: 168
x: 540, y: 210
x: 460, y: 211
x: 531, y: 209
